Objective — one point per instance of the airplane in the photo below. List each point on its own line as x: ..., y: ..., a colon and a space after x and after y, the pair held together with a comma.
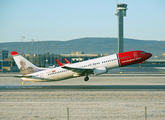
x: 96, y: 66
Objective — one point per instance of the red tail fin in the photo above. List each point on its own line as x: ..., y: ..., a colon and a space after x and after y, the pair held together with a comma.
x: 66, y: 61
x: 14, y: 53
x: 60, y: 64
x: 25, y: 66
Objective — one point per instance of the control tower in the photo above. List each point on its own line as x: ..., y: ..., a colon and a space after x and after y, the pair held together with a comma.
x: 121, y: 12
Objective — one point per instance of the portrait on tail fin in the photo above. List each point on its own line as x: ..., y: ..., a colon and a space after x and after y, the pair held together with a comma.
x: 25, y: 69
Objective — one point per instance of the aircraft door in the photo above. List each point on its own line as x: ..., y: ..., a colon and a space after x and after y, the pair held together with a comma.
x: 135, y: 55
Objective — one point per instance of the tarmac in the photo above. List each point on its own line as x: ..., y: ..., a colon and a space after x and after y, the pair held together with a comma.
x: 83, y: 87
x: 121, y: 94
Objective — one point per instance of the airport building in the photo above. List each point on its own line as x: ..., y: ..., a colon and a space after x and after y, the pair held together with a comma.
x: 80, y: 56
x: 46, y: 60
x: 4, y: 61
x: 49, y: 60
x: 3, y: 54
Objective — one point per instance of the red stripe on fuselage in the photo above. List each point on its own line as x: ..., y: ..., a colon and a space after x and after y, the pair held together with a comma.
x: 130, y: 57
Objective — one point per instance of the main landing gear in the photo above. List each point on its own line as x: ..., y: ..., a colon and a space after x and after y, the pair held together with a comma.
x: 86, y: 78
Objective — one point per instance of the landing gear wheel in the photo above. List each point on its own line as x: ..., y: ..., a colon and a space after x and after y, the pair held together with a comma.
x: 86, y: 78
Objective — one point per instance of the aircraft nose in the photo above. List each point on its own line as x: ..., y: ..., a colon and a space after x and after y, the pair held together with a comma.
x: 149, y: 55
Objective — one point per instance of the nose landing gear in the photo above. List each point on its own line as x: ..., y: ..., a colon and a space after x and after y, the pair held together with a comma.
x: 86, y: 78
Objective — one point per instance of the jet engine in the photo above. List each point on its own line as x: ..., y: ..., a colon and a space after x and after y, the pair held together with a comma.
x: 100, y: 70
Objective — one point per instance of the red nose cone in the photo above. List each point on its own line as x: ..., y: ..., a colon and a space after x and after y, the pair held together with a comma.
x: 149, y: 55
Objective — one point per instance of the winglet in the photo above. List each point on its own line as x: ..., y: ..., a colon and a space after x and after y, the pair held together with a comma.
x: 14, y: 53
x: 60, y: 64
x: 66, y: 61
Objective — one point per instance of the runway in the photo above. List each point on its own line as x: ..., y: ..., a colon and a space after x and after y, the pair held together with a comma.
x: 111, y: 96
x: 83, y: 87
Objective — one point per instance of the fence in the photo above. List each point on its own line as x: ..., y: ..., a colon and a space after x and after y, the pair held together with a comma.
x: 44, y: 111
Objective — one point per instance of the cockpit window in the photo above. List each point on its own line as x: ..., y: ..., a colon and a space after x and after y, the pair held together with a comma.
x: 142, y: 52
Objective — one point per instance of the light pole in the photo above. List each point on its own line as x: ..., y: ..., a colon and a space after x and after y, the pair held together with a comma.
x: 58, y: 51
x: 2, y: 65
x: 32, y: 47
x: 22, y: 44
x: 31, y: 56
x: 37, y: 46
x: 54, y: 53
x: 43, y: 53
x: 46, y: 54
x: 43, y: 47
x: 37, y: 52
x: 51, y: 53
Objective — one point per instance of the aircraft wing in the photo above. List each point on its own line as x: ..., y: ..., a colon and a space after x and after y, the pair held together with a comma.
x: 23, y: 76
x: 79, y: 70
x: 28, y: 76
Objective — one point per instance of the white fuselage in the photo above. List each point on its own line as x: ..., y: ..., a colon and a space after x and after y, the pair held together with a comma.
x: 59, y: 73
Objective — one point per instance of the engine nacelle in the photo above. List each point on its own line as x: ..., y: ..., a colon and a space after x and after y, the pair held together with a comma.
x: 100, y: 70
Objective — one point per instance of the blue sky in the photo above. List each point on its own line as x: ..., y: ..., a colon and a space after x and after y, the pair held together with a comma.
x: 71, y: 19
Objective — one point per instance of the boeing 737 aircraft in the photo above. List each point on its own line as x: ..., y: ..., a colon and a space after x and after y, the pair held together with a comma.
x: 96, y: 66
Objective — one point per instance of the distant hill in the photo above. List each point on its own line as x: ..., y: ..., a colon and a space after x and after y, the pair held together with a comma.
x: 87, y: 45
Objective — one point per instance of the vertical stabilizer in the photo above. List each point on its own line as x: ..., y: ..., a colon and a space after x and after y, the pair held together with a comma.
x: 25, y: 66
